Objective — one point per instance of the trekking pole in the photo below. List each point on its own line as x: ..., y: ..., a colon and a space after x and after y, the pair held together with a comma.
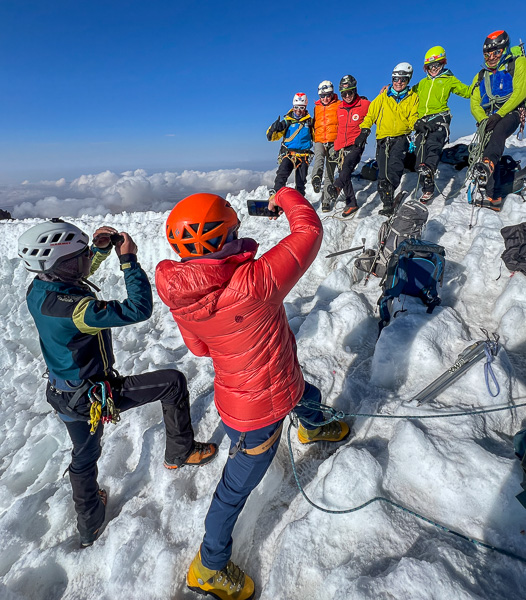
x: 465, y: 360
x: 362, y: 248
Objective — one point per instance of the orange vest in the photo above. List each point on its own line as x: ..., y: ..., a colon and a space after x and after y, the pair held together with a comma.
x: 326, y: 121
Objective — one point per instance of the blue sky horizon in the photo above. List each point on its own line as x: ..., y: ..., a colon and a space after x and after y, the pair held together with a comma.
x: 168, y: 86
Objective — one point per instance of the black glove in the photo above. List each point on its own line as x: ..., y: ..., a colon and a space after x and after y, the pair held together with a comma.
x: 492, y: 122
x: 361, y: 140
x: 276, y: 127
x: 420, y: 126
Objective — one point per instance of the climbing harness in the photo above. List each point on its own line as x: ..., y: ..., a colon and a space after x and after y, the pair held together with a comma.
x: 102, y: 406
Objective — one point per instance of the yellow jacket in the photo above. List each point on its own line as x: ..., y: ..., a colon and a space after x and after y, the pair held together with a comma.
x: 392, y: 118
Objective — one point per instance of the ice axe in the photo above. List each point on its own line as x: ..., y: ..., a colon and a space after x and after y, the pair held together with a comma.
x: 362, y: 248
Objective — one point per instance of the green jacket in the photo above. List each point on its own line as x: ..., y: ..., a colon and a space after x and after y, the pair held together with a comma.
x: 518, y: 95
x: 434, y: 92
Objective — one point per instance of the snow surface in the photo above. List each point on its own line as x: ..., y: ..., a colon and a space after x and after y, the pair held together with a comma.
x: 461, y: 472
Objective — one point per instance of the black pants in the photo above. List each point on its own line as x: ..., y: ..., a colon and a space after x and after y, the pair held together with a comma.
x: 429, y: 146
x: 285, y: 169
x: 353, y: 155
x: 497, y: 142
x: 390, y: 154
x: 169, y: 387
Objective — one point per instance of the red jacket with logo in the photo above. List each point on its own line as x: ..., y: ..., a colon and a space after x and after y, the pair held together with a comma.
x: 231, y: 309
x: 349, y: 118
x: 326, y: 120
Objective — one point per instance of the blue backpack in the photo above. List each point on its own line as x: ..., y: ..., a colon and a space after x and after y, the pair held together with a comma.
x: 415, y: 268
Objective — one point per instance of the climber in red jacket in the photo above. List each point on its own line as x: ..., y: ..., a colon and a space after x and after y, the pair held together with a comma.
x: 229, y: 306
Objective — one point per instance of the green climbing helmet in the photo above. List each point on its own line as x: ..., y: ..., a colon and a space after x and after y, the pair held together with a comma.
x: 435, y: 54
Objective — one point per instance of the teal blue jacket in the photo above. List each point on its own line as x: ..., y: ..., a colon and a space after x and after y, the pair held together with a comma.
x: 74, y: 326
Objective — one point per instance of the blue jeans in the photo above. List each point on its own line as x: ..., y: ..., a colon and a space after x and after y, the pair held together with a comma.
x: 241, y: 475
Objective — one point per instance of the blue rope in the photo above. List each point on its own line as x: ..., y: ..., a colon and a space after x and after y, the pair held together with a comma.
x: 474, y: 541
x: 488, y: 371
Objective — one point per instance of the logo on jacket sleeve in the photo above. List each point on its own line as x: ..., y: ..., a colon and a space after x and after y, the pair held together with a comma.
x: 355, y: 117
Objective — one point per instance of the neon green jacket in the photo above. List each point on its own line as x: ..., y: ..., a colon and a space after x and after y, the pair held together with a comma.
x: 434, y: 92
x: 392, y: 119
x: 517, y: 97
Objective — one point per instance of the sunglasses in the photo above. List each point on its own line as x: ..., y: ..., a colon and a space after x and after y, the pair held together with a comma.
x: 326, y: 95
x: 300, y: 108
x: 400, y: 79
x: 434, y: 66
x: 494, y: 53
x: 350, y: 92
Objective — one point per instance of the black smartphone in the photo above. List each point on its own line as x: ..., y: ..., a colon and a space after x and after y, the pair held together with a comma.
x: 259, y: 208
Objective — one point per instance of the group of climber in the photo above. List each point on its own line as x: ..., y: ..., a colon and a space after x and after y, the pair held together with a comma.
x: 339, y: 129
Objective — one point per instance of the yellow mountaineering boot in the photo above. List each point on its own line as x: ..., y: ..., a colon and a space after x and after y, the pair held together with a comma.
x: 229, y: 583
x: 335, y: 431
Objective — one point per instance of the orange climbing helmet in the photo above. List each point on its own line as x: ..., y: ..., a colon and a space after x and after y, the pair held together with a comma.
x: 200, y: 224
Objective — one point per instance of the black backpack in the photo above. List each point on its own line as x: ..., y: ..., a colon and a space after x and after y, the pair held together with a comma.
x: 415, y: 268
x: 370, y: 170
x: 514, y: 256
x: 509, y: 177
x: 408, y: 222
x: 457, y: 155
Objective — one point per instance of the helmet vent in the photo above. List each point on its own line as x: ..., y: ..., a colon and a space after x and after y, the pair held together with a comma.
x: 171, y: 235
x: 194, y: 227
x: 34, y: 252
x: 56, y: 238
x: 211, y: 226
x: 24, y: 251
x: 42, y: 240
x: 69, y: 237
x: 187, y: 235
x: 46, y: 252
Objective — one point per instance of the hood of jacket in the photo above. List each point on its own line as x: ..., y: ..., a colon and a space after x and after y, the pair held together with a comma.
x: 193, y: 288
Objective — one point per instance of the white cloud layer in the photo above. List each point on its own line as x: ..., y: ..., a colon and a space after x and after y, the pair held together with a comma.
x: 130, y: 191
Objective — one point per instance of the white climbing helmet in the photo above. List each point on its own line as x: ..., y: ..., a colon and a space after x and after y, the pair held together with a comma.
x: 325, y: 87
x: 300, y: 99
x: 403, y: 69
x: 44, y: 246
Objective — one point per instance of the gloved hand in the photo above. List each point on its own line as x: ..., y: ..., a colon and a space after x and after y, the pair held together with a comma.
x: 276, y: 127
x: 361, y: 140
x: 420, y: 126
x: 492, y: 122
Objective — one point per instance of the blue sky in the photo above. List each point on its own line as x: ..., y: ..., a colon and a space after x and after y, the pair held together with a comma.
x: 89, y: 86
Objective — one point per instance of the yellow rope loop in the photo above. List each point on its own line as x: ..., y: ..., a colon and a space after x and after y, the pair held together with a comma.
x: 95, y: 414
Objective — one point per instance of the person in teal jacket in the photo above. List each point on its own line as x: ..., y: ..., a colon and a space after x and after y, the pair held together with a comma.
x: 74, y: 328
x: 434, y: 117
x: 498, y: 102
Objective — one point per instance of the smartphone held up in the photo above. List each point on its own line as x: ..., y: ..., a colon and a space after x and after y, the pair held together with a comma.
x: 259, y: 208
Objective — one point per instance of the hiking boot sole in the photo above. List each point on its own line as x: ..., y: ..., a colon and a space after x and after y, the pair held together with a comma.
x: 205, y: 593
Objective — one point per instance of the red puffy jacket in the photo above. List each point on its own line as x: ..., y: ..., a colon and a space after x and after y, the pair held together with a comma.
x: 349, y: 118
x: 231, y: 309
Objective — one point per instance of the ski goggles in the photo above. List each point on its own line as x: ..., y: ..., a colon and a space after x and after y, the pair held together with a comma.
x: 435, y: 66
x: 494, y: 53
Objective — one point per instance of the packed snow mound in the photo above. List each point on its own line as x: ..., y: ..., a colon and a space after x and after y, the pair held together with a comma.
x: 458, y: 471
